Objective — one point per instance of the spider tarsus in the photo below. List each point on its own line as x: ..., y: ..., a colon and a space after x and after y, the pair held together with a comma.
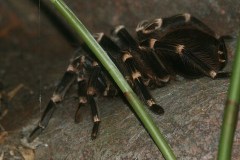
x: 35, y: 133
x: 157, y: 109
x: 229, y: 38
x: 221, y: 75
x: 77, y: 116
x: 93, y: 136
x: 95, y: 130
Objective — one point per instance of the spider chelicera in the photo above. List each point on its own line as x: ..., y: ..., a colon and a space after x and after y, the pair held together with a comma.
x: 165, y: 47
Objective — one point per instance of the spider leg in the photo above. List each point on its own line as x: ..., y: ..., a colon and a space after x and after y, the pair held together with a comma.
x: 104, y: 80
x: 91, y: 92
x: 192, y: 56
x: 147, y: 57
x: 58, y: 95
x: 108, y: 88
x: 132, y: 71
x: 223, y: 75
x: 203, y: 67
x: 222, y: 53
x: 88, y: 87
x: 82, y: 90
x: 82, y: 84
x: 139, y: 85
x: 222, y: 58
x: 157, y: 27
x: 126, y: 40
x: 186, y: 19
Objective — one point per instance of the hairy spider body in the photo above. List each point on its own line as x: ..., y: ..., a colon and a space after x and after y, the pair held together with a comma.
x: 178, y: 45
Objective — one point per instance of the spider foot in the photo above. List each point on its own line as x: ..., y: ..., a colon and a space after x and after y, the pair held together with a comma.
x: 222, y: 75
x: 77, y: 117
x: 35, y: 133
x: 95, y: 130
x: 157, y: 109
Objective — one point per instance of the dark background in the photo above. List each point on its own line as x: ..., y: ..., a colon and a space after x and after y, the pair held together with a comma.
x: 34, y: 53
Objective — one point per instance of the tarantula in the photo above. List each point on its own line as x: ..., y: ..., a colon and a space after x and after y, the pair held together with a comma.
x: 165, y: 47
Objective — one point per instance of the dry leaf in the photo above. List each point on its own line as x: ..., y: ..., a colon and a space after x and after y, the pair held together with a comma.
x: 2, y: 155
x: 3, y: 136
x: 27, y: 153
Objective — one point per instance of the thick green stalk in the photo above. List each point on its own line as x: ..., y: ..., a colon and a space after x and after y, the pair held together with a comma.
x: 231, y: 110
x: 117, y: 76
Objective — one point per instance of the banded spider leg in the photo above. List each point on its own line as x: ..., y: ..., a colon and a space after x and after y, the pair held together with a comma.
x: 190, y: 48
x: 81, y: 67
x: 130, y: 69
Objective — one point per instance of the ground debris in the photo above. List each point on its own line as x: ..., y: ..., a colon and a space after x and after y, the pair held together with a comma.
x: 27, y: 153
x: 3, y: 136
x: 33, y: 145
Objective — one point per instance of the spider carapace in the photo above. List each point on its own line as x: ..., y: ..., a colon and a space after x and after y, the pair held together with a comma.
x: 165, y: 47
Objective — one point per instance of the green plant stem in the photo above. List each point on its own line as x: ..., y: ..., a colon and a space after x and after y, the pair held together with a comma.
x: 231, y: 109
x: 118, y: 78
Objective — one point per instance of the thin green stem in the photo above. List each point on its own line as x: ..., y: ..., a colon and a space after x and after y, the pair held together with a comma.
x: 138, y: 107
x: 231, y: 109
